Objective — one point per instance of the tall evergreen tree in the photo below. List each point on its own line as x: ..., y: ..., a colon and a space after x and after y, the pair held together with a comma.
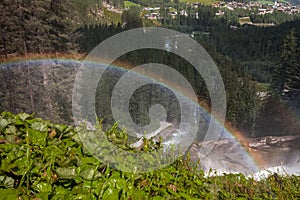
x: 286, y: 77
x: 60, y: 20
x: 132, y: 18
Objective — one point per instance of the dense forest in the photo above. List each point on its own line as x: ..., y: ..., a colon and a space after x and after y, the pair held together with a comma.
x: 247, y: 57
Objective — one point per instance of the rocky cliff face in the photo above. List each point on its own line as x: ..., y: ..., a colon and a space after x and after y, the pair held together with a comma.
x: 249, y: 156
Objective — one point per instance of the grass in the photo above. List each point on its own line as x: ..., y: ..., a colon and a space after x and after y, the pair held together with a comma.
x: 244, y: 20
x: 262, y: 87
x: 266, y: 2
x: 42, y: 160
x: 112, y: 16
x: 129, y: 4
x: 205, y: 2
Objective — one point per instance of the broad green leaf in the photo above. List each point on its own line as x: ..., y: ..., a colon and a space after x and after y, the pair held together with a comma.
x: 11, y: 138
x: 97, y: 185
x: 68, y: 195
x: 61, y: 128
x: 39, y: 126
x: 19, y: 122
x: 157, y: 198
x: 7, y: 181
x: 11, y: 130
x: 121, y: 183
x: 42, y: 195
x: 23, y: 116
x: 36, y: 169
x: 7, y: 115
x: 81, y: 188
x: 76, y: 138
x: 8, y: 194
x: 37, y: 137
x: 3, y: 123
x: 5, y: 166
x: 70, y: 143
x: 43, y: 187
x: 66, y: 172
x: 31, y: 121
x: 85, y: 197
x: 22, y: 166
x: 88, y: 160
x: 52, y: 151
x: 61, y: 190
x: 68, y: 161
x: 90, y: 174
x: 111, y: 193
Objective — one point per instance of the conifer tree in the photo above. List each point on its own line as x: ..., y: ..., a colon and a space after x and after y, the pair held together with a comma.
x: 60, y: 21
x: 132, y: 18
x: 286, y: 77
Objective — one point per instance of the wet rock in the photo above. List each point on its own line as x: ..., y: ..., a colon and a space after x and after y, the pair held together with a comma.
x: 248, y: 156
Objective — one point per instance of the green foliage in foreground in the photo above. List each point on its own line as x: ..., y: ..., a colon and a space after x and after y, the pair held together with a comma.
x: 42, y: 160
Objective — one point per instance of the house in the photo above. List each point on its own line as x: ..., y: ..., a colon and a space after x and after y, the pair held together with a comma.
x: 219, y: 13
x: 262, y: 11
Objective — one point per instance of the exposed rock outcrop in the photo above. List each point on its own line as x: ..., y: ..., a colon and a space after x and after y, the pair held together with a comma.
x: 229, y: 155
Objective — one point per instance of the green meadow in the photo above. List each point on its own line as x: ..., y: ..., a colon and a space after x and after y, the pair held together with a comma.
x: 205, y: 2
x: 128, y: 4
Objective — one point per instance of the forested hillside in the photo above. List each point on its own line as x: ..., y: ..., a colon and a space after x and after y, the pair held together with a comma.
x: 251, y: 59
x: 48, y: 26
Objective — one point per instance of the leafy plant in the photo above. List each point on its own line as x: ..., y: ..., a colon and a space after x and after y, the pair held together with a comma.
x: 42, y: 160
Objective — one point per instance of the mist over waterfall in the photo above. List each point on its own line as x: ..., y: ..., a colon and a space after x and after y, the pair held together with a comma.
x: 52, y: 84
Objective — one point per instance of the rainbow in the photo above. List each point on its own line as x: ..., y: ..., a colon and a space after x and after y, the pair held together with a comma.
x: 228, y: 130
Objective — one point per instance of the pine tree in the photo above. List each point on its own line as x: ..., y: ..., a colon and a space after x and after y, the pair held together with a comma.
x: 286, y: 76
x: 293, y: 70
x: 132, y: 18
x: 61, y: 29
x: 11, y: 26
